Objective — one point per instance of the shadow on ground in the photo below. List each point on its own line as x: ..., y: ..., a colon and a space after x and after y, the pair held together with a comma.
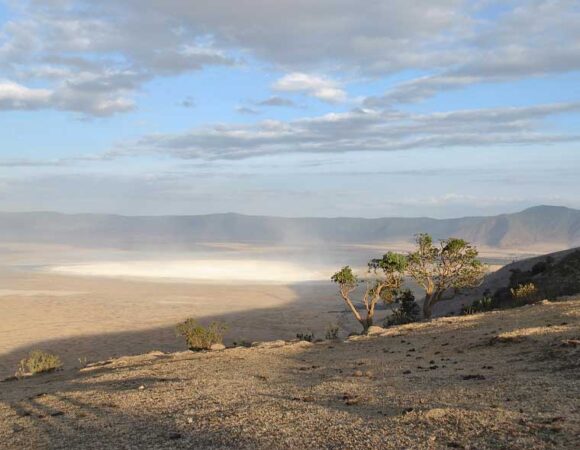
x: 450, y: 383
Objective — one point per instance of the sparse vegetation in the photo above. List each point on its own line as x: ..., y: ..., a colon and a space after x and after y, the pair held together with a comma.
x: 83, y: 362
x: 443, y: 269
x: 331, y: 331
x: 525, y: 293
x: 199, y: 337
x: 450, y: 266
x: 483, y: 304
x: 408, y: 310
x: 308, y: 336
x: 384, y: 281
x: 551, y: 278
x: 455, y: 378
x: 39, y: 362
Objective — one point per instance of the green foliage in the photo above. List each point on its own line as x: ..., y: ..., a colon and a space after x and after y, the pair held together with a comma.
x: 451, y: 265
x: 393, y: 266
x: 391, y: 262
x: 331, y: 331
x: 385, y: 279
x: 39, y: 362
x: 199, y: 337
x: 308, y: 336
x: 408, y: 310
x: 345, y: 277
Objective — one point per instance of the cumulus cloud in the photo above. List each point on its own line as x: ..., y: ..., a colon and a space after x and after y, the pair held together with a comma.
x: 68, y: 96
x: 93, y: 58
x: 361, y: 130
x: 110, y: 48
x: 320, y: 87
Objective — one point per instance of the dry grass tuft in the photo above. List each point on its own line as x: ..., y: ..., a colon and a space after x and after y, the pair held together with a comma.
x: 39, y: 362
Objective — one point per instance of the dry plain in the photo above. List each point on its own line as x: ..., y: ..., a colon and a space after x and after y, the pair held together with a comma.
x: 92, y: 304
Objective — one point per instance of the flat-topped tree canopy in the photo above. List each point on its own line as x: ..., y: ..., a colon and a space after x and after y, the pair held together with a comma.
x: 453, y: 264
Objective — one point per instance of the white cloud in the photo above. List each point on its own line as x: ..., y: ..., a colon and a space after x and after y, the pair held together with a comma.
x: 422, y: 88
x: 68, y: 96
x: 16, y: 96
x: 361, y: 130
x: 320, y: 87
x: 529, y: 39
x: 93, y: 58
x: 455, y: 41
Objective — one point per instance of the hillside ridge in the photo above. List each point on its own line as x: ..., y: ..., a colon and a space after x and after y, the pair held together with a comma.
x: 556, y: 226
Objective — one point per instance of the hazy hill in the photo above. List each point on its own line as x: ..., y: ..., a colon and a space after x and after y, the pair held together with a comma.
x: 556, y: 226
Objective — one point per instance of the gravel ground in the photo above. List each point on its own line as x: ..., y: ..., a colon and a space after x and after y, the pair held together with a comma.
x: 497, y: 380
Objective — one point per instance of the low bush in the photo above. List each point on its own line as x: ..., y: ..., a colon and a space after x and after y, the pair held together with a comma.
x: 408, y: 310
x: 331, y: 331
x: 39, y: 362
x: 481, y: 305
x: 308, y: 336
x: 199, y: 337
x: 525, y: 293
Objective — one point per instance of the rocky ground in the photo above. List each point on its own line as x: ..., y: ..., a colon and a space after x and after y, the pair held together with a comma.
x: 505, y: 379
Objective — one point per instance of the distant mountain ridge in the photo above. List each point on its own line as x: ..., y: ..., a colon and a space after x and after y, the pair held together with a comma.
x: 554, y: 225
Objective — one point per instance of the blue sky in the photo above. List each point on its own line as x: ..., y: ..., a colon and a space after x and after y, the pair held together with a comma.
x: 296, y: 108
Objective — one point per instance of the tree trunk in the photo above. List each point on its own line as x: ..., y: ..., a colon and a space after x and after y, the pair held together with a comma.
x: 427, y: 307
x: 367, y: 323
x: 352, y: 308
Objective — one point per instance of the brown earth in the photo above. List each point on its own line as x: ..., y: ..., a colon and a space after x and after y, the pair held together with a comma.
x: 506, y: 379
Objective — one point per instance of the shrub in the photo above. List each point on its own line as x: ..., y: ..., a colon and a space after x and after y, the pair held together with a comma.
x: 331, y: 331
x: 407, y: 312
x: 83, y: 362
x: 39, y: 362
x: 308, y: 336
x: 525, y: 293
x: 199, y: 337
x: 540, y: 267
x: 481, y: 305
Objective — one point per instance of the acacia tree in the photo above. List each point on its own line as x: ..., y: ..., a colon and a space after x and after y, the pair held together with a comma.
x: 453, y: 264
x: 385, y: 280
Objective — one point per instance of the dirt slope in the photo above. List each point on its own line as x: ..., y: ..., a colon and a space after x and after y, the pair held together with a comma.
x: 504, y: 379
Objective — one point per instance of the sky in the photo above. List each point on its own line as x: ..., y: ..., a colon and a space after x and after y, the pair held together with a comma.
x: 441, y: 108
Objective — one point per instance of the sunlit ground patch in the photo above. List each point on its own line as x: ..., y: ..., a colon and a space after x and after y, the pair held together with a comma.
x: 201, y: 270
x: 35, y: 293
